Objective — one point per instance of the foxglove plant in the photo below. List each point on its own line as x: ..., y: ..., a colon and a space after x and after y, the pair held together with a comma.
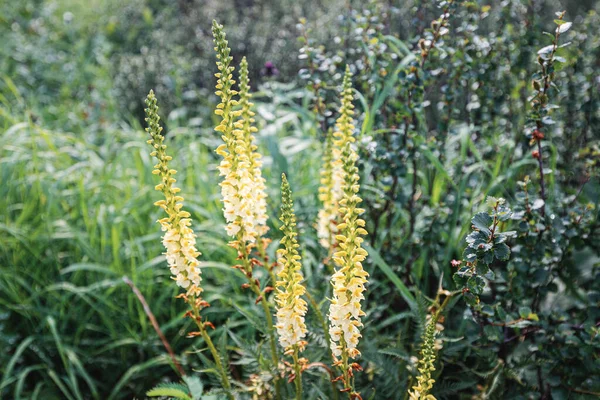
x: 332, y: 171
x: 426, y: 367
x: 291, y: 308
x: 329, y: 195
x: 179, y: 239
x: 349, y: 279
x: 258, y: 195
x: 242, y: 188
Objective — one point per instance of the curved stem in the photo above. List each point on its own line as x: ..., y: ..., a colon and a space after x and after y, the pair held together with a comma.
x: 155, y: 324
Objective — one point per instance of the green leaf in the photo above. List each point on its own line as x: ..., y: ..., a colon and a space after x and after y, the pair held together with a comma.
x: 476, y: 284
x: 524, y: 312
x: 169, y: 390
x: 471, y: 299
x: 491, y: 201
x: 404, y: 292
x: 492, y: 333
x: 533, y: 317
x: 482, y: 268
x: 488, y: 257
x: 502, y: 252
x: 195, y: 386
x: 537, y: 204
x: 477, y: 238
x: 545, y: 50
x: 482, y: 221
x: 565, y: 26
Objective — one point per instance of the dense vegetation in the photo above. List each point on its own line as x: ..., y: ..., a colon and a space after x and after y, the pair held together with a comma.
x: 474, y: 129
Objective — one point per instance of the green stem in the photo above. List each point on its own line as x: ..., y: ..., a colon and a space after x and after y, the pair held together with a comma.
x: 298, y: 378
x: 345, y: 371
x: 321, y: 319
x: 256, y: 289
x: 262, y: 251
x: 224, y: 379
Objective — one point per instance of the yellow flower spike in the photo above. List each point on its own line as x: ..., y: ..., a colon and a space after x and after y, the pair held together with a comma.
x: 426, y: 367
x: 242, y: 189
x: 326, y: 227
x: 349, y: 278
x: 291, y: 308
x: 254, y: 158
x: 332, y: 173
x: 243, y: 193
x: 179, y: 239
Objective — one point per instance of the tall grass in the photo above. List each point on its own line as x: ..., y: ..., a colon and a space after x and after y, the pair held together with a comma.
x: 76, y: 217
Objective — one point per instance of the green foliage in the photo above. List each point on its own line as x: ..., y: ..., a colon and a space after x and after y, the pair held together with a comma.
x: 191, y: 389
x: 484, y: 245
x: 436, y: 138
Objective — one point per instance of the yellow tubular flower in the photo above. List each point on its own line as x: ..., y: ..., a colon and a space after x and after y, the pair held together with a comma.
x: 259, y: 194
x: 179, y: 239
x: 349, y: 278
x: 238, y: 185
x: 291, y: 308
x: 425, y: 382
x: 326, y: 219
x: 332, y: 173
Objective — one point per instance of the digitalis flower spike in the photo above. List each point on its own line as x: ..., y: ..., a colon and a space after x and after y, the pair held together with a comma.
x: 349, y: 279
x: 291, y: 308
x: 329, y: 197
x: 242, y: 188
x: 238, y: 187
x: 426, y: 367
x: 179, y: 239
x: 332, y: 172
x: 259, y: 196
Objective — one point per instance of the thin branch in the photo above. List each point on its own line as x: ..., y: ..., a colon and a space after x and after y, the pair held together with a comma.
x: 155, y: 325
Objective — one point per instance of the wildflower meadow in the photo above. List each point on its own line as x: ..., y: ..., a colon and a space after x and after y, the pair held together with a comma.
x: 265, y: 199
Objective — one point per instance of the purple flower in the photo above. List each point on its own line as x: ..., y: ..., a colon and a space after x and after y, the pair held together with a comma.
x: 269, y: 70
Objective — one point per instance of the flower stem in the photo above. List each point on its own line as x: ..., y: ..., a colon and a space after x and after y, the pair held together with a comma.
x: 298, y: 373
x: 254, y: 285
x: 348, y: 385
x: 262, y: 251
x: 321, y: 319
x: 198, y: 320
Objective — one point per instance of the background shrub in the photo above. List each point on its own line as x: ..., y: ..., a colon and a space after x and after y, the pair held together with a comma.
x: 435, y: 140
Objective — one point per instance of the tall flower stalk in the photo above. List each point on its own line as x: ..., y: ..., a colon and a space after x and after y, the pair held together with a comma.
x: 179, y: 239
x: 242, y: 188
x: 430, y: 347
x: 291, y: 308
x: 329, y: 195
x: 259, y: 194
x: 426, y: 366
x: 349, y: 279
x: 332, y: 171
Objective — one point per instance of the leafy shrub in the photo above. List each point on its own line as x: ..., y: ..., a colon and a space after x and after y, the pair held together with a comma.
x: 457, y: 108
